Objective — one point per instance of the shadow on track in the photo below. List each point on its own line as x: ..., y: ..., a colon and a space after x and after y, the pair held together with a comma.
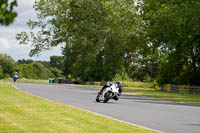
x: 193, y: 124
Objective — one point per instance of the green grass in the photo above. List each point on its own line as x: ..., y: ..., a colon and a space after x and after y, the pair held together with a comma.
x: 176, y: 97
x: 23, y: 113
x: 137, y: 84
x: 28, y: 81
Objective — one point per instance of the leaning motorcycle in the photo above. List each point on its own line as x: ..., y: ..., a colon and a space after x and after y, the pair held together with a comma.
x: 109, y: 91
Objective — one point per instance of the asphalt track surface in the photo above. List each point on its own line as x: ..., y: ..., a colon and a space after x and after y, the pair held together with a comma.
x: 163, y: 116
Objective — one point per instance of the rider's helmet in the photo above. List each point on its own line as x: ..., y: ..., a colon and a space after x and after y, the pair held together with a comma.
x: 120, y: 84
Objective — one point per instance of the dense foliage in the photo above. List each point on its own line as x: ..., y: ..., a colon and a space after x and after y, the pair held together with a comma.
x: 173, y: 28
x: 34, y: 70
x: 7, y: 66
x: 122, y: 39
x: 93, y: 34
x: 7, y: 14
x: 29, y: 69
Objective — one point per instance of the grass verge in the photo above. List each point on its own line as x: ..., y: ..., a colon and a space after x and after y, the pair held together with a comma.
x: 176, y: 97
x: 22, y: 113
x: 137, y: 84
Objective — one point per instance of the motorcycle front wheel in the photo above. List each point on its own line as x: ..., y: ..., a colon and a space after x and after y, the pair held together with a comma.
x: 107, y: 96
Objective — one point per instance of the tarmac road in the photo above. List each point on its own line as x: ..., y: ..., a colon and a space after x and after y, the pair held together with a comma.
x: 156, y: 114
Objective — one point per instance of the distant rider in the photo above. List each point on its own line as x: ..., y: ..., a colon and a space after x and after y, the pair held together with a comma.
x: 15, y: 77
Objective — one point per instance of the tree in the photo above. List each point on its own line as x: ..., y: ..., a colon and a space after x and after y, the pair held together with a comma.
x: 23, y: 61
x: 173, y: 27
x: 7, y: 14
x: 56, y: 61
x: 45, y: 63
x: 57, y: 72
x: 7, y: 65
x: 1, y: 72
x: 97, y: 34
x: 34, y: 70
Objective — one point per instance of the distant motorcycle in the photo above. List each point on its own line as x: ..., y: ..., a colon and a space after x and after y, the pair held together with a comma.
x: 109, y: 91
x: 15, y: 77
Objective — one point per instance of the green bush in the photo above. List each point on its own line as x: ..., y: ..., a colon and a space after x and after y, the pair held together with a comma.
x: 117, y: 77
x: 7, y: 65
x: 121, y: 77
x: 56, y: 72
x: 6, y: 75
x: 34, y: 70
x: 69, y: 76
x: 156, y: 85
x: 1, y: 72
x: 147, y: 78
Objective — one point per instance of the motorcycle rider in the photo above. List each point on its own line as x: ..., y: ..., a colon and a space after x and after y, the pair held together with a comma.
x: 118, y: 84
x: 112, y: 91
x: 15, y: 76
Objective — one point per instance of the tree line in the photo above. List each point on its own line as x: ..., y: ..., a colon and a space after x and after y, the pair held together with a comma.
x: 127, y: 39
x: 30, y: 69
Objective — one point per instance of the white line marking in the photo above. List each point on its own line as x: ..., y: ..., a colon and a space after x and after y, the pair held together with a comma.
x: 90, y: 111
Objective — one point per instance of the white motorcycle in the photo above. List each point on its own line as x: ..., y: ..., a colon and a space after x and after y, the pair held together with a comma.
x: 110, y: 91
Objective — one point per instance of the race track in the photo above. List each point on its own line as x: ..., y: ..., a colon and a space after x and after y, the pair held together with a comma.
x: 156, y: 114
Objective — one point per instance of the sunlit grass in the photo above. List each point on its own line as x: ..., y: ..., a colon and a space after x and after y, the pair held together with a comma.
x: 23, y: 113
x: 137, y: 84
x: 176, y: 97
